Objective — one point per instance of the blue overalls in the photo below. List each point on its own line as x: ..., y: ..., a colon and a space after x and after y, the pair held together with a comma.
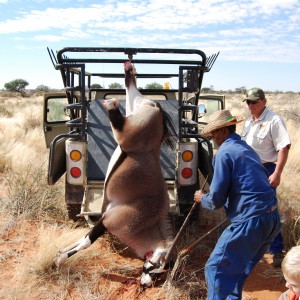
x: 240, y: 185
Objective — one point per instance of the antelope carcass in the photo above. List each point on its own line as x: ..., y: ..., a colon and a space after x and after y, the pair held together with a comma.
x: 136, y: 203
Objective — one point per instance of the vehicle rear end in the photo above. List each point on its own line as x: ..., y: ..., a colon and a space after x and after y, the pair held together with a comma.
x: 83, y: 149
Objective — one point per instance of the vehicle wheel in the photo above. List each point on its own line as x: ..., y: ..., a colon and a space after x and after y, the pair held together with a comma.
x: 186, y: 201
x: 73, y: 211
x: 73, y: 197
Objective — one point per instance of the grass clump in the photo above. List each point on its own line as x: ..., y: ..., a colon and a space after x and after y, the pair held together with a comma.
x: 29, y: 196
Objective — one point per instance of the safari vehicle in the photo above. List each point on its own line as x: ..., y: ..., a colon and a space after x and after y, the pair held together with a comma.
x: 79, y: 135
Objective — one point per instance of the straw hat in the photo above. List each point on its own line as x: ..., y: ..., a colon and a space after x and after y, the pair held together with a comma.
x: 220, y: 119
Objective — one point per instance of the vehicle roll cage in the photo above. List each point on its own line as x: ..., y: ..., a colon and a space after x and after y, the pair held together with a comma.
x: 72, y: 63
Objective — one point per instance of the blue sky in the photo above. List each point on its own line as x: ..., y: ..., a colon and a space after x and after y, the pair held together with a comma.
x: 259, y: 41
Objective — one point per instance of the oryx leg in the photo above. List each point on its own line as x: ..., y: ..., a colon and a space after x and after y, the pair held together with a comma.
x: 82, y: 244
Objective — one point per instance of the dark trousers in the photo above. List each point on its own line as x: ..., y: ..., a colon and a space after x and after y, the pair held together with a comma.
x: 277, y: 245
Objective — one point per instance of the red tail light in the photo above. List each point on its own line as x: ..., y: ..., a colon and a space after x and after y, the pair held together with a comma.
x: 186, y: 173
x: 75, y: 172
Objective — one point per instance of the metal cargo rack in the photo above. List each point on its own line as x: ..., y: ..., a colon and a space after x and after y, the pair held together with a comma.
x: 192, y: 64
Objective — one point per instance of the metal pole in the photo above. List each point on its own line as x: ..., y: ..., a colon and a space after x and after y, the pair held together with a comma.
x: 183, y: 226
x: 197, y: 241
x: 191, y: 246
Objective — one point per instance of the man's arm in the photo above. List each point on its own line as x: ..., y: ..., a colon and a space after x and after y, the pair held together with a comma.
x: 217, y: 196
x: 274, y: 178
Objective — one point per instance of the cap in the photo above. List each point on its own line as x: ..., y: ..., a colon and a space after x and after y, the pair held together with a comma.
x: 255, y: 94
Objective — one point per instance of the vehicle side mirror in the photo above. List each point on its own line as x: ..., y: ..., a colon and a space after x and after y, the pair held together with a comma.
x: 201, y: 109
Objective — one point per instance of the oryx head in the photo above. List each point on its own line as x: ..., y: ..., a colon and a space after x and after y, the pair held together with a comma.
x: 154, y: 266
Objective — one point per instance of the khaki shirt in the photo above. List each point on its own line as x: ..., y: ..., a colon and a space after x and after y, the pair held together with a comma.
x: 266, y: 136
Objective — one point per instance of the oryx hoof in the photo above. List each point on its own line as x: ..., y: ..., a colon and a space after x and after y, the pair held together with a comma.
x: 56, y: 263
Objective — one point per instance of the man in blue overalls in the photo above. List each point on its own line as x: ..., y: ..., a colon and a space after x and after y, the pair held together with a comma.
x: 240, y: 185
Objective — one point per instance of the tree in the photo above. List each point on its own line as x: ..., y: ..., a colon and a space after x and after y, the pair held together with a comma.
x: 96, y: 86
x: 205, y: 90
x: 17, y: 85
x: 153, y: 86
x: 241, y: 90
x: 42, y: 88
x: 115, y: 85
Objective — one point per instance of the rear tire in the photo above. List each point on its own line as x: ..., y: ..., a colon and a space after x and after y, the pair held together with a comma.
x: 73, y: 211
x: 186, y: 201
x: 73, y: 197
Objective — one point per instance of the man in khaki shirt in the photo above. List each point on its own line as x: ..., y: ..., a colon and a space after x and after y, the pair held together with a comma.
x: 266, y: 133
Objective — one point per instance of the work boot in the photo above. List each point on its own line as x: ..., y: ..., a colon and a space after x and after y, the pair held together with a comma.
x: 277, y: 259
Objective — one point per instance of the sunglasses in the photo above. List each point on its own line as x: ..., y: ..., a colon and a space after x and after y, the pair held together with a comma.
x: 251, y: 102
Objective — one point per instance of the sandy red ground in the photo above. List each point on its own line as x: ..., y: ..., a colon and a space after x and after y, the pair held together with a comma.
x: 265, y: 281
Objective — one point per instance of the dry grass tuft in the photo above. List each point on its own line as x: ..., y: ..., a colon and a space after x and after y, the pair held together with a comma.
x: 21, y: 134
x: 34, y: 274
x: 6, y: 223
x: 29, y: 196
x: 30, y: 117
x: 5, y: 112
x: 24, y: 160
x: 51, y: 240
x: 77, y: 275
x: 182, y: 283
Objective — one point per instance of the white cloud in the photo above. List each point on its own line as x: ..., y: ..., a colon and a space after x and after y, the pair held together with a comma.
x: 240, y: 29
x: 151, y: 15
x: 49, y: 38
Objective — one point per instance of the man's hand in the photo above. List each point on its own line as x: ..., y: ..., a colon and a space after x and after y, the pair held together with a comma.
x: 198, y: 196
x: 274, y: 179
